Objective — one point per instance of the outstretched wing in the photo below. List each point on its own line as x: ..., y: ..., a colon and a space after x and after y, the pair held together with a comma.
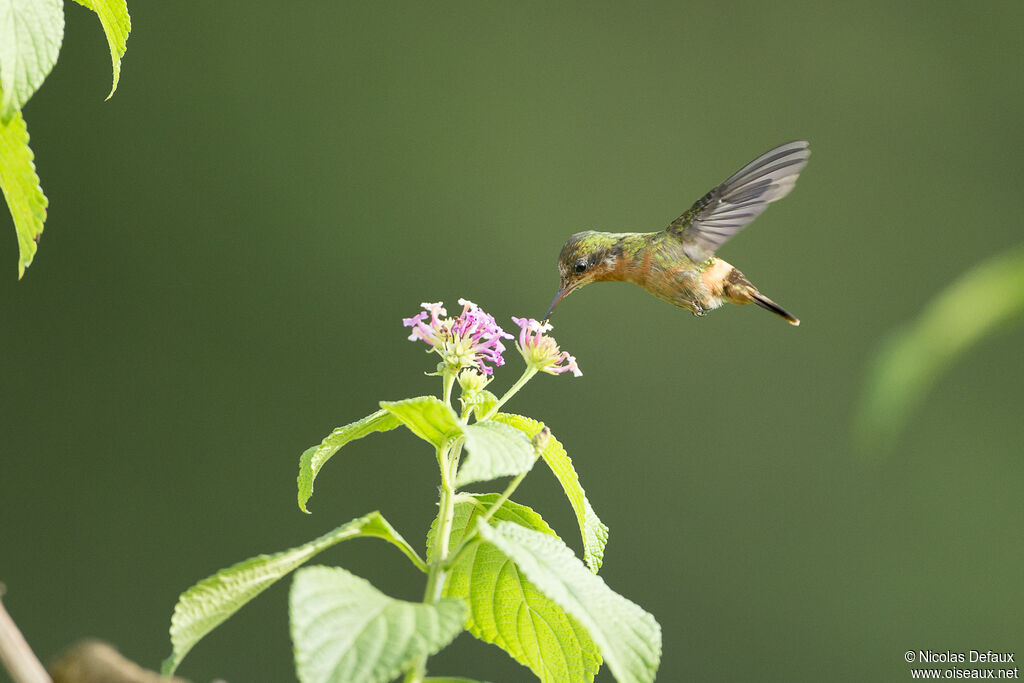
x: 728, y: 208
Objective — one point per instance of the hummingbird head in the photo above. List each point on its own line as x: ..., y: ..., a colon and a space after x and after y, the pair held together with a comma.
x: 585, y: 257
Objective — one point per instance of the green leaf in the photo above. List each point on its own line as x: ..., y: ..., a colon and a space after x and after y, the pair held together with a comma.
x: 448, y: 679
x: 629, y: 638
x: 344, y: 629
x: 21, y: 189
x: 314, y: 458
x: 31, y: 32
x: 506, y: 609
x: 210, y: 602
x: 978, y: 303
x: 495, y: 450
x: 428, y: 417
x: 117, y: 25
x: 592, y: 529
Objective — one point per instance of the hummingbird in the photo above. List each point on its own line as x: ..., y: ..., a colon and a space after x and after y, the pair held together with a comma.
x: 678, y: 264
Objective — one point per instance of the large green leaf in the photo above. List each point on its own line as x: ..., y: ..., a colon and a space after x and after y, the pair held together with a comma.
x: 31, y: 32
x: 345, y: 630
x: 494, y: 450
x: 117, y: 25
x: 21, y: 189
x: 314, y: 457
x: 592, y: 529
x: 985, y: 298
x: 428, y: 417
x: 629, y: 638
x: 506, y: 609
x: 207, y: 604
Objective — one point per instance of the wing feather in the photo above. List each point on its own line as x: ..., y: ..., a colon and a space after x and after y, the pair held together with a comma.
x: 741, y: 198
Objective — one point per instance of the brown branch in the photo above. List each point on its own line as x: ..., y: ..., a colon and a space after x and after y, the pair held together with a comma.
x: 93, y: 661
x: 15, y: 653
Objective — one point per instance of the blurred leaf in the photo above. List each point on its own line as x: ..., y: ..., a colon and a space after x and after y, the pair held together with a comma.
x: 117, y: 25
x: 593, y: 530
x: 506, y: 609
x: 906, y: 365
x: 21, y: 189
x: 344, y: 629
x: 494, y: 450
x: 629, y: 638
x: 428, y: 417
x: 314, y: 457
x: 31, y: 32
x: 210, y: 602
x: 447, y: 679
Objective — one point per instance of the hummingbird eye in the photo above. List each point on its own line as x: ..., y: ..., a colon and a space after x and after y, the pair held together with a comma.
x: 580, y: 266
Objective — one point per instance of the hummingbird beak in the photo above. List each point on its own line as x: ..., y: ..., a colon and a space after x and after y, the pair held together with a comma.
x: 554, y: 302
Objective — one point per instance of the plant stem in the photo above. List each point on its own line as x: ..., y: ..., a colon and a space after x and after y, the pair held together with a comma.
x: 509, y: 490
x: 416, y: 673
x: 486, y: 516
x: 448, y: 458
x: 447, y: 379
x: 436, y: 573
x: 526, y: 377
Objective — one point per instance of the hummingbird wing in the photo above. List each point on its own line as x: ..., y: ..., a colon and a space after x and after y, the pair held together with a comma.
x: 728, y: 208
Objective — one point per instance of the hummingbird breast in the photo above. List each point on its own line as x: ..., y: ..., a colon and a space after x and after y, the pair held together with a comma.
x: 658, y: 264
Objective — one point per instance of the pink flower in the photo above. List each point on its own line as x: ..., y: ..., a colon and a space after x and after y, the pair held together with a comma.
x: 471, y: 339
x: 541, y: 351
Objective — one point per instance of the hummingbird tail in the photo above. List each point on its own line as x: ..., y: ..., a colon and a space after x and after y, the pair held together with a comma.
x: 769, y: 305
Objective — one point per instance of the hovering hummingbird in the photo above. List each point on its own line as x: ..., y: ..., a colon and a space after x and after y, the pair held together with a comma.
x: 678, y: 264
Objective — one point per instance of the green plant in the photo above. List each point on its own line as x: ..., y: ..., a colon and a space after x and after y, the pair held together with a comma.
x: 31, y: 32
x: 981, y: 301
x: 493, y: 567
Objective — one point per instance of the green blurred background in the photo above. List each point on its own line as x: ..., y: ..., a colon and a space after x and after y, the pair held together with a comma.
x: 233, y: 239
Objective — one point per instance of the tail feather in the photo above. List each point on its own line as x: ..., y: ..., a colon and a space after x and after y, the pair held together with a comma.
x: 769, y: 305
x: 738, y: 290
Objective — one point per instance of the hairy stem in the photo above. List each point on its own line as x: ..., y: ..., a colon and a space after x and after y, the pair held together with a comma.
x: 436, y: 573
x: 448, y: 457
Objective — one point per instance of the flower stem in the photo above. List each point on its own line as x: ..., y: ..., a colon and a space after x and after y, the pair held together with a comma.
x: 526, y: 377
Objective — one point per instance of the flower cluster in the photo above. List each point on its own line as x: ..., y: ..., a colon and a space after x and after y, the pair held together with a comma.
x: 471, y: 339
x: 541, y: 351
